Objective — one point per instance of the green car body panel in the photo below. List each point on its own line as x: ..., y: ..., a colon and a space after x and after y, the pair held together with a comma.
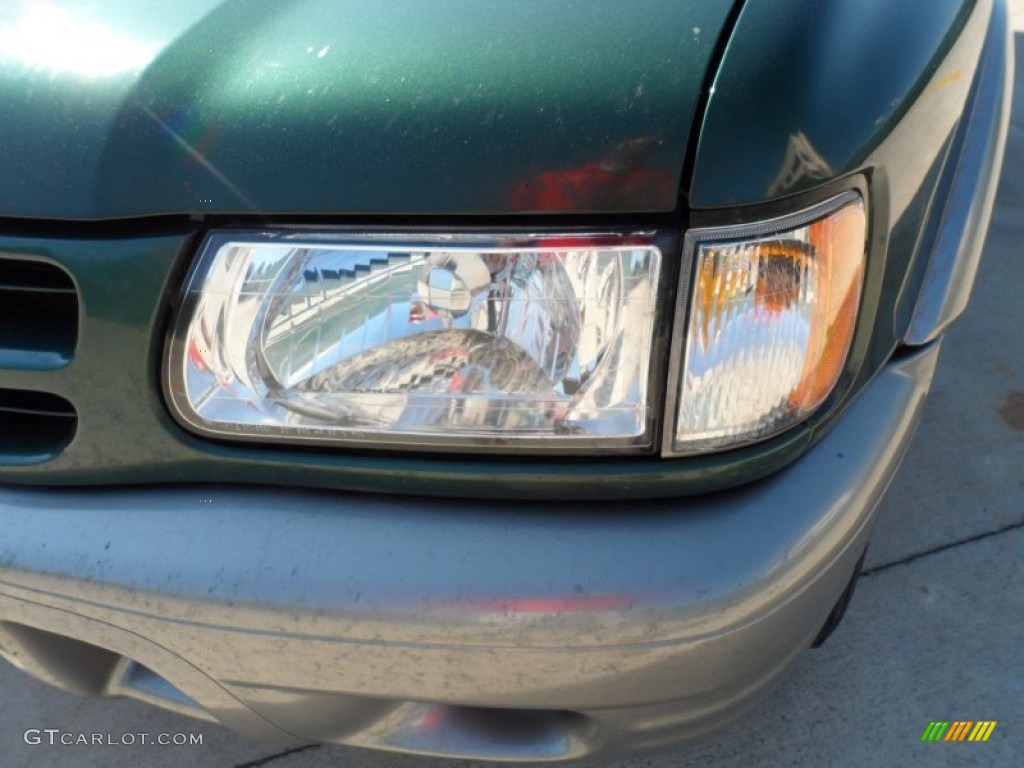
x: 326, y: 106
x: 833, y: 85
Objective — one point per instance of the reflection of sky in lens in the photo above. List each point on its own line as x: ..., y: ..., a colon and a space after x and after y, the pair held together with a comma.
x: 747, y: 330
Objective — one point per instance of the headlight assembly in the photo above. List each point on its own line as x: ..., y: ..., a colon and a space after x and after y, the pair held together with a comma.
x: 479, y: 342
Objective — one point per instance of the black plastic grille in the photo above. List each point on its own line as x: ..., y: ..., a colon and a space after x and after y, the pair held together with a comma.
x: 38, y: 315
x: 34, y: 426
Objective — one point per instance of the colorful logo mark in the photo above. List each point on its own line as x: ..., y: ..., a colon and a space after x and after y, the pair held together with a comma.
x: 959, y: 730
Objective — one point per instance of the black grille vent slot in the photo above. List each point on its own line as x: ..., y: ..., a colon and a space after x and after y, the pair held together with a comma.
x: 34, y: 426
x: 38, y: 315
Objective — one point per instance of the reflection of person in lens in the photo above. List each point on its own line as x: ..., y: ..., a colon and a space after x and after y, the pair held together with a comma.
x: 781, y: 268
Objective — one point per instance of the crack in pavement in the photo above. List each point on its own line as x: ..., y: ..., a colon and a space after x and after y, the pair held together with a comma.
x: 272, y: 758
x: 942, y: 548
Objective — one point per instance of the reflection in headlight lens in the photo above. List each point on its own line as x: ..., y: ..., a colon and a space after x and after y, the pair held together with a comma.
x: 354, y: 339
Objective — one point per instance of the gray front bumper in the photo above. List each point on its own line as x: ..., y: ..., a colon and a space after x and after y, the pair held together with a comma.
x: 400, y: 622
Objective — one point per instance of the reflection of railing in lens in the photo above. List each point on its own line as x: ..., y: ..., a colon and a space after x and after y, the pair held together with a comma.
x: 295, y: 330
x: 361, y: 279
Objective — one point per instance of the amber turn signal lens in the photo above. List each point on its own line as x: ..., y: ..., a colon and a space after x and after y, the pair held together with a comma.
x: 840, y: 241
x: 771, y: 320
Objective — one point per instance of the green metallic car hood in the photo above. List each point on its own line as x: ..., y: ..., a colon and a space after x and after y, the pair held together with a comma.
x: 117, y: 109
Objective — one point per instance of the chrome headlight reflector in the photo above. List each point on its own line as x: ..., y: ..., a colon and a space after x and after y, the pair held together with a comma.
x: 418, y: 341
x: 772, y: 312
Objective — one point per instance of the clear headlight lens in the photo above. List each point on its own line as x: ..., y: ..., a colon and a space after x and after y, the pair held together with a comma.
x: 455, y: 340
x: 772, y: 313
